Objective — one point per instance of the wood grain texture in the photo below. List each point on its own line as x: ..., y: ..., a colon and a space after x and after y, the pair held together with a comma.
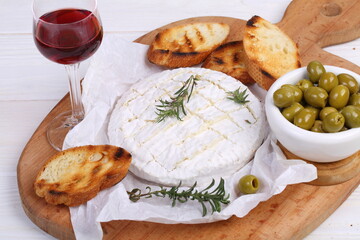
x: 290, y: 215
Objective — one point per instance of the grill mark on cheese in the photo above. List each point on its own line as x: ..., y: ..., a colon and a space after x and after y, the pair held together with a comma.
x: 207, y: 147
x: 207, y: 126
x: 228, y: 116
x: 252, y: 114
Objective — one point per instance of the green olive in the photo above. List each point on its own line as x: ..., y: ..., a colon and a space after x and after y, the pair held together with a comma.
x: 325, y: 111
x: 305, y: 119
x: 317, y: 127
x: 349, y: 81
x: 284, y: 97
x: 298, y: 94
x: 354, y: 99
x: 316, y: 97
x: 248, y: 184
x: 328, y: 81
x: 339, y: 96
x: 352, y: 116
x: 304, y: 84
x: 316, y: 111
x: 315, y: 69
x: 291, y: 111
x: 333, y: 122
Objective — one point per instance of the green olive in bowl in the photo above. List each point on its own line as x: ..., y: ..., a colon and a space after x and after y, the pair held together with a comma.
x: 339, y: 96
x: 348, y: 81
x: 317, y: 127
x: 298, y: 94
x: 325, y: 111
x: 328, y: 81
x: 305, y: 119
x: 352, y: 116
x: 284, y: 97
x: 315, y: 69
x: 354, y: 99
x: 333, y: 122
x: 290, y: 112
x: 304, y: 84
x: 316, y: 96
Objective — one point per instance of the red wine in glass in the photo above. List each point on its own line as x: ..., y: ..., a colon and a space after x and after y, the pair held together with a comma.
x: 68, y: 36
x: 67, y: 32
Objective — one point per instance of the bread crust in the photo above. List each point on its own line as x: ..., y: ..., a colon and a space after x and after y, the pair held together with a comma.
x: 270, y: 53
x: 186, y: 45
x: 76, y: 175
x: 229, y: 58
x: 170, y: 59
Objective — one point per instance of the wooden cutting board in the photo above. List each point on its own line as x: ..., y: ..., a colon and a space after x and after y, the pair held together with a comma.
x: 293, y: 214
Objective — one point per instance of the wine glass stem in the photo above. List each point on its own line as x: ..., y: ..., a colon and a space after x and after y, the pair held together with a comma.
x: 75, y: 91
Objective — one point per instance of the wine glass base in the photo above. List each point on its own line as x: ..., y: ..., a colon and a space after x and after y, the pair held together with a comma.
x: 59, y: 128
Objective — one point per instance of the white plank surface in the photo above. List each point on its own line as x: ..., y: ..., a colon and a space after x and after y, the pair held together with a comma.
x: 30, y: 86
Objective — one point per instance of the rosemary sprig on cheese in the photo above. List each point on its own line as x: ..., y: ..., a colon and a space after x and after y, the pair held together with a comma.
x: 215, y: 198
x: 238, y: 97
x: 175, y: 106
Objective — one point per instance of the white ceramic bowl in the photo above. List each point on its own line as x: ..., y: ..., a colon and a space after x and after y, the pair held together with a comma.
x: 316, y: 147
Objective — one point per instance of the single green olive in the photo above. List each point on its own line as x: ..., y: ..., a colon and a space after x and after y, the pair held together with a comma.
x: 325, y: 111
x: 305, y: 119
x: 298, y: 94
x: 316, y: 111
x: 316, y: 97
x: 339, y: 96
x: 352, y: 116
x: 349, y: 81
x: 304, y: 84
x: 284, y: 97
x: 317, y: 127
x: 248, y: 184
x: 315, y: 69
x: 328, y: 81
x: 354, y: 99
x: 291, y: 111
x: 333, y: 122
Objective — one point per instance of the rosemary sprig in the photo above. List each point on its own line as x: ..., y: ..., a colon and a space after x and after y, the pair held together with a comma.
x: 238, y: 97
x: 214, y: 198
x: 175, y: 106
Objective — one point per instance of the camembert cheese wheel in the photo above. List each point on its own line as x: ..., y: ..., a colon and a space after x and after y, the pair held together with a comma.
x: 215, y: 138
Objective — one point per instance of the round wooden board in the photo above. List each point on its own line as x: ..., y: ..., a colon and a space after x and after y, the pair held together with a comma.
x: 290, y: 215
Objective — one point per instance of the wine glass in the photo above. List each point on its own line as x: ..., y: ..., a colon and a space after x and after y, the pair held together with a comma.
x: 67, y: 32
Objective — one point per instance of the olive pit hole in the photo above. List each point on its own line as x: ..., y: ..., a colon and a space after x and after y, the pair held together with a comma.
x: 255, y: 183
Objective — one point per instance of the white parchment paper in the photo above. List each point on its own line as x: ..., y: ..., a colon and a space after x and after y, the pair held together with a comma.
x: 116, y: 66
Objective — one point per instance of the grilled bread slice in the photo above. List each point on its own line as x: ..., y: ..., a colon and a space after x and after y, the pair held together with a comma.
x: 229, y: 58
x: 186, y: 45
x: 76, y: 175
x: 270, y: 52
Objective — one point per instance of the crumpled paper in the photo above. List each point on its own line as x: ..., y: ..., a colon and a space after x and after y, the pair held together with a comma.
x: 115, y: 67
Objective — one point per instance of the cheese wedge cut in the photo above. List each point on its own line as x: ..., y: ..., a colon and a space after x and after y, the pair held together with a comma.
x: 215, y: 138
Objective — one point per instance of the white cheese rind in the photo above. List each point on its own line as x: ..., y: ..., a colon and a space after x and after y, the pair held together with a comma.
x: 216, y: 138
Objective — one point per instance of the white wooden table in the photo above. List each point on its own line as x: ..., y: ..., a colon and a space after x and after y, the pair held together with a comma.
x: 30, y: 86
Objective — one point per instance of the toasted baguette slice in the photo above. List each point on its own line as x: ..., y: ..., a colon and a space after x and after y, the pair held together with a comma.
x: 270, y: 52
x: 76, y: 175
x: 229, y: 58
x: 186, y: 45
